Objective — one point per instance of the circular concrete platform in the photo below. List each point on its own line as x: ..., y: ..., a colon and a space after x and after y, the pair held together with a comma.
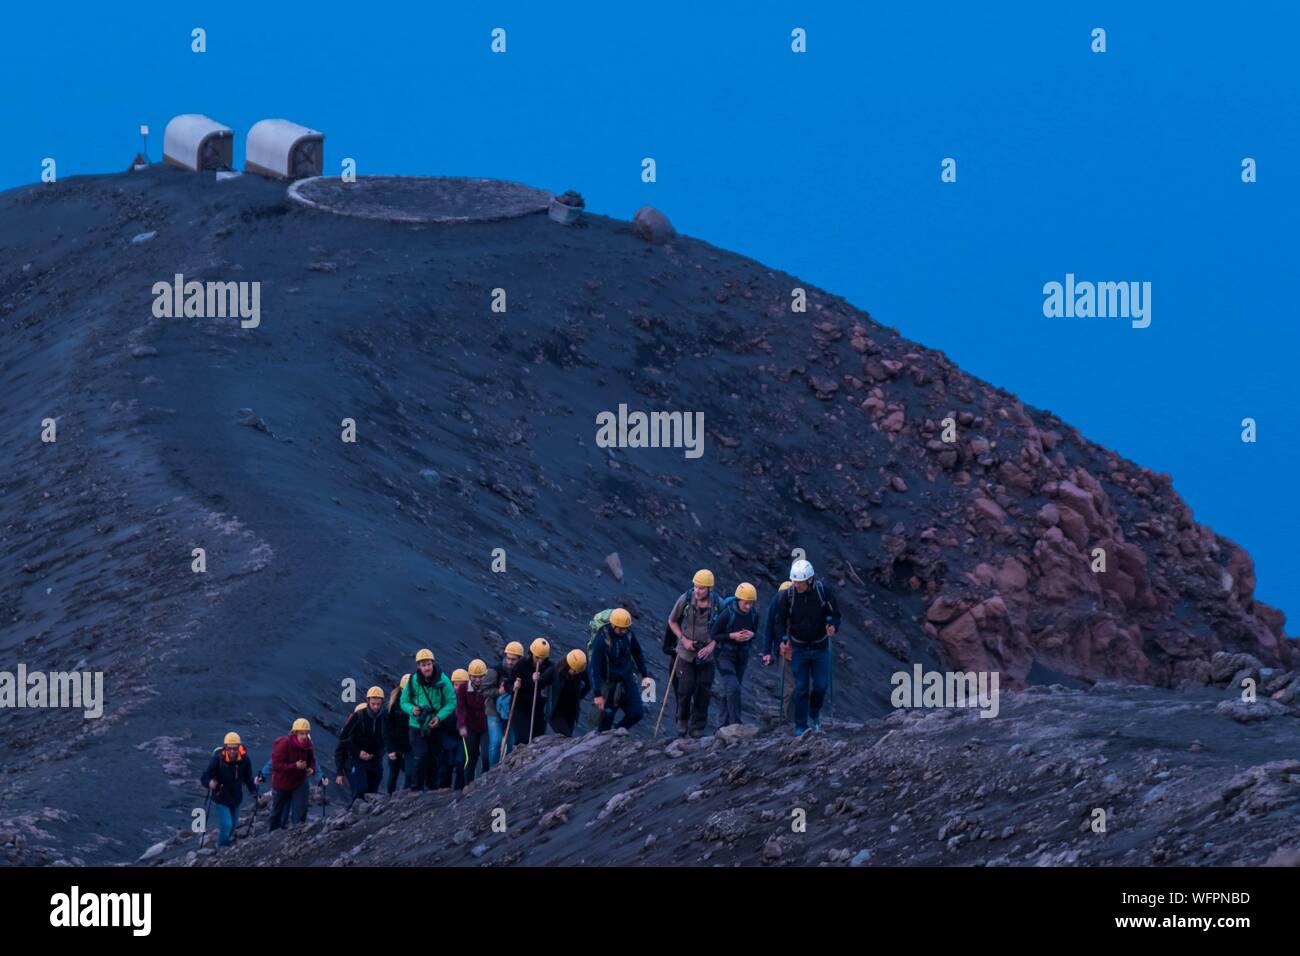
x: 420, y: 198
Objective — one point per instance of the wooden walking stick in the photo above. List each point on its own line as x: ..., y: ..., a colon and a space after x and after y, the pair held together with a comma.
x: 537, y: 686
x: 671, y: 672
x: 510, y: 720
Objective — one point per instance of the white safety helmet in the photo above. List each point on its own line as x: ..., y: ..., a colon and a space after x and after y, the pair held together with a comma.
x: 801, y: 570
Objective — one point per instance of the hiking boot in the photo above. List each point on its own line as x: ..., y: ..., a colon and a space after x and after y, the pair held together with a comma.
x: 681, y: 728
x: 800, y: 731
x: 816, y: 723
x: 696, y: 734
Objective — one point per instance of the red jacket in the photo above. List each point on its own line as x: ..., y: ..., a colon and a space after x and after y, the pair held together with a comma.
x: 285, y: 752
x: 471, y: 713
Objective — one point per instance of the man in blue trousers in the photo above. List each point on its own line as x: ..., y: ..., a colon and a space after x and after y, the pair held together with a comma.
x: 809, y: 613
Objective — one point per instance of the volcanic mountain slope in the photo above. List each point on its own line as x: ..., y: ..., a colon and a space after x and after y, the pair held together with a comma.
x: 1111, y: 776
x: 329, y: 561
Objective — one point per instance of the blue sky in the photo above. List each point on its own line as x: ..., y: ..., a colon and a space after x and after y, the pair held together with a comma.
x: 1116, y: 166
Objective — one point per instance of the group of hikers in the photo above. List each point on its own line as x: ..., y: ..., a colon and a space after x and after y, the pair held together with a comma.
x: 443, y: 730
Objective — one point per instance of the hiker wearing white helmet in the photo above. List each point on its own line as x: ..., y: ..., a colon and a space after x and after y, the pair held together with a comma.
x: 808, y: 612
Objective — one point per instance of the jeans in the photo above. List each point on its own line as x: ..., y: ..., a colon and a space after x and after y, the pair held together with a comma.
x: 787, y: 688
x: 628, y: 699
x: 495, y: 725
x: 227, y: 817
x: 731, y: 672
x: 694, y: 685
x: 301, y: 800
x: 811, y: 665
x: 451, y: 771
x: 290, y: 805
x: 395, y: 767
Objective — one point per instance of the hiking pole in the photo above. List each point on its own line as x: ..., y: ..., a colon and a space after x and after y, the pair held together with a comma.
x: 672, y: 671
x: 207, y: 805
x: 780, y: 703
x: 325, y: 800
x: 537, y: 686
x: 251, y: 820
x: 830, y: 676
x: 510, y: 720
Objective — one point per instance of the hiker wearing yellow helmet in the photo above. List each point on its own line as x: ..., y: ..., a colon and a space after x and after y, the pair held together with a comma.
x: 429, y: 702
x: 397, y: 741
x: 733, y: 631
x: 452, y: 739
x: 471, y: 722
x: 691, y: 623
x: 525, y: 682
x: 293, y: 764
x: 358, y: 758
x: 486, y: 683
x: 566, y: 684
x: 778, y: 645
x: 228, y: 773
x: 615, y: 662
x: 696, y: 609
x: 513, y: 653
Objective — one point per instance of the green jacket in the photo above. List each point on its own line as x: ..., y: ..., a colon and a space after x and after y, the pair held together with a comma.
x: 434, y: 700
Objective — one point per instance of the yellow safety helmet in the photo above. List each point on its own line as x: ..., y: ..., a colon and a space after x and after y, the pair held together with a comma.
x: 301, y: 724
x: 746, y: 592
x: 477, y: 668
x: 423, y: 654
x: 459, y: 676
x: 784, y: 585
x: 540, y: 648
x: 577, y: 660
x: 703, y: 578
x: 515, y: 649
x: 376, y: 692
x: 620, y: 617
x: 232, y: 739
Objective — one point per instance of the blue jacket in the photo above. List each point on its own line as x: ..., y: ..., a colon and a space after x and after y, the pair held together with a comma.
x: 232, y: 775
x: 733, y: 619
x: 615, y: 658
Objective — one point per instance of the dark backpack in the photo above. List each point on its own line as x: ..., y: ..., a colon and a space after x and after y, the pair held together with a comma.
x: 828, y: 609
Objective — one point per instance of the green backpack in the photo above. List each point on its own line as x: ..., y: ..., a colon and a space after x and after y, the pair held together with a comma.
x: 593, y: 628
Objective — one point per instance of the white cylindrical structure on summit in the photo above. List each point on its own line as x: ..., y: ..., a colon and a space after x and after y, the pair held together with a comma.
x: 195, y: 142
x: 284, y: 150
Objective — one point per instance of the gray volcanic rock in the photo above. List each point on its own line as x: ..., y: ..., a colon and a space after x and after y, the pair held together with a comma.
x: 1100, y: 778
x: 328, y: 561
x: 652, y: 225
